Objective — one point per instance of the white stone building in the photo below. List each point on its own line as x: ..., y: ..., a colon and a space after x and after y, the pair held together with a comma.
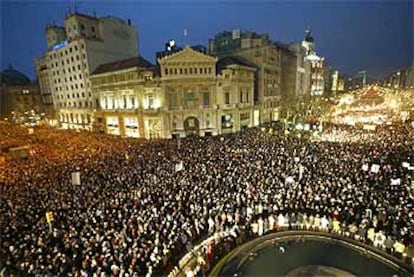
x: 74, y: 51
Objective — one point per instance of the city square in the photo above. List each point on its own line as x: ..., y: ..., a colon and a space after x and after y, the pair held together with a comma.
x: 242, y: 156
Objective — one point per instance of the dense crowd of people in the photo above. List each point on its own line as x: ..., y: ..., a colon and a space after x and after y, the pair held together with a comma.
x: 136, y: 211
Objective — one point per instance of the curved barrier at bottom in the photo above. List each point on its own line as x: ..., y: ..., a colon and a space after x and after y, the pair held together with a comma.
x: 193, y: 262
x: 236, y: 259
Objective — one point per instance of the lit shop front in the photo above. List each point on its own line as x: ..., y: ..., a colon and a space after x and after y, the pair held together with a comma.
x: 112, y: 125
x: 131, y: 127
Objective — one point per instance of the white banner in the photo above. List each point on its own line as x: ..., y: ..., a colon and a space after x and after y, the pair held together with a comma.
x: 290, y: 180
x: 375, y: 168
x: 395, y: 182
x: 76, y: 178
x: 301, y: 171
x: 179, y: 166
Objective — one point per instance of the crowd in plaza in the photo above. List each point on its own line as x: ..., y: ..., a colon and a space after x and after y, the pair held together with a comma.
x: 136, y: 211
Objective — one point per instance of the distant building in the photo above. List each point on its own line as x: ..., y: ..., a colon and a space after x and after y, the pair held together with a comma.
x: 266, y: 55
x: 75, y: 51
x: 19, y: 97
x: 302, y: 67
x: 327, y: 79
x: 190, y: 93
x: 317, y: 85
x: 403, y: 78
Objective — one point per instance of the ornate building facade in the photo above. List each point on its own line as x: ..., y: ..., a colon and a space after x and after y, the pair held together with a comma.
x: 189, y: 93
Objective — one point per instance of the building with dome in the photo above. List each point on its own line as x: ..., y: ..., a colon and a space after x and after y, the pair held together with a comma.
x: 317, y: 82
x: 18, y: 95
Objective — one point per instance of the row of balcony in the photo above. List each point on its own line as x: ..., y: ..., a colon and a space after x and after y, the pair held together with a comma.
x: 182, y: 107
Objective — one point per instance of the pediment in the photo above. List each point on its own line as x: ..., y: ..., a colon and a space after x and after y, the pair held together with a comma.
x: 187, y: 55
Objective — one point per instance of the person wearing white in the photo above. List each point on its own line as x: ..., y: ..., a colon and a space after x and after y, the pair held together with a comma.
x: 281, y: 220
x: 271, y: 222
x: 324, y: 223
x: 261, y: 227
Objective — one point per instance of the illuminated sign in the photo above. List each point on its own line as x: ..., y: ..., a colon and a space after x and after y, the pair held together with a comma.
x: 60, y: 45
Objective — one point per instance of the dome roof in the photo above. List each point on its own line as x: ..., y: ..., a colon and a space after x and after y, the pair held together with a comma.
x: 12, y: 77
x: 308, y: 36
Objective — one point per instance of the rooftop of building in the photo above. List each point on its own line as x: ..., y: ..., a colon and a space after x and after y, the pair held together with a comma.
x: 13, y: 77
x: 308, y: 35
x: 133, y: 62
x: 95, y: 17
x: 76, y: 13
x: 240, y: 34
x: 199, y: 48
x: 233, y: 60
x: 54, y: 26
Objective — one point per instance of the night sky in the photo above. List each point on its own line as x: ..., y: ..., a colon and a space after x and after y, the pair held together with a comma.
x: 352, y: 36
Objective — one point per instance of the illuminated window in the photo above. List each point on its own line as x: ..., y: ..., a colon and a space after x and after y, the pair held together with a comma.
x: 132, y: 101
x: 189, y: 98
x: 151, y: 101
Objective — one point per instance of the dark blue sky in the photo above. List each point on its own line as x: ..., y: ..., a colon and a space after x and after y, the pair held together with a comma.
x: 353, y: 35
